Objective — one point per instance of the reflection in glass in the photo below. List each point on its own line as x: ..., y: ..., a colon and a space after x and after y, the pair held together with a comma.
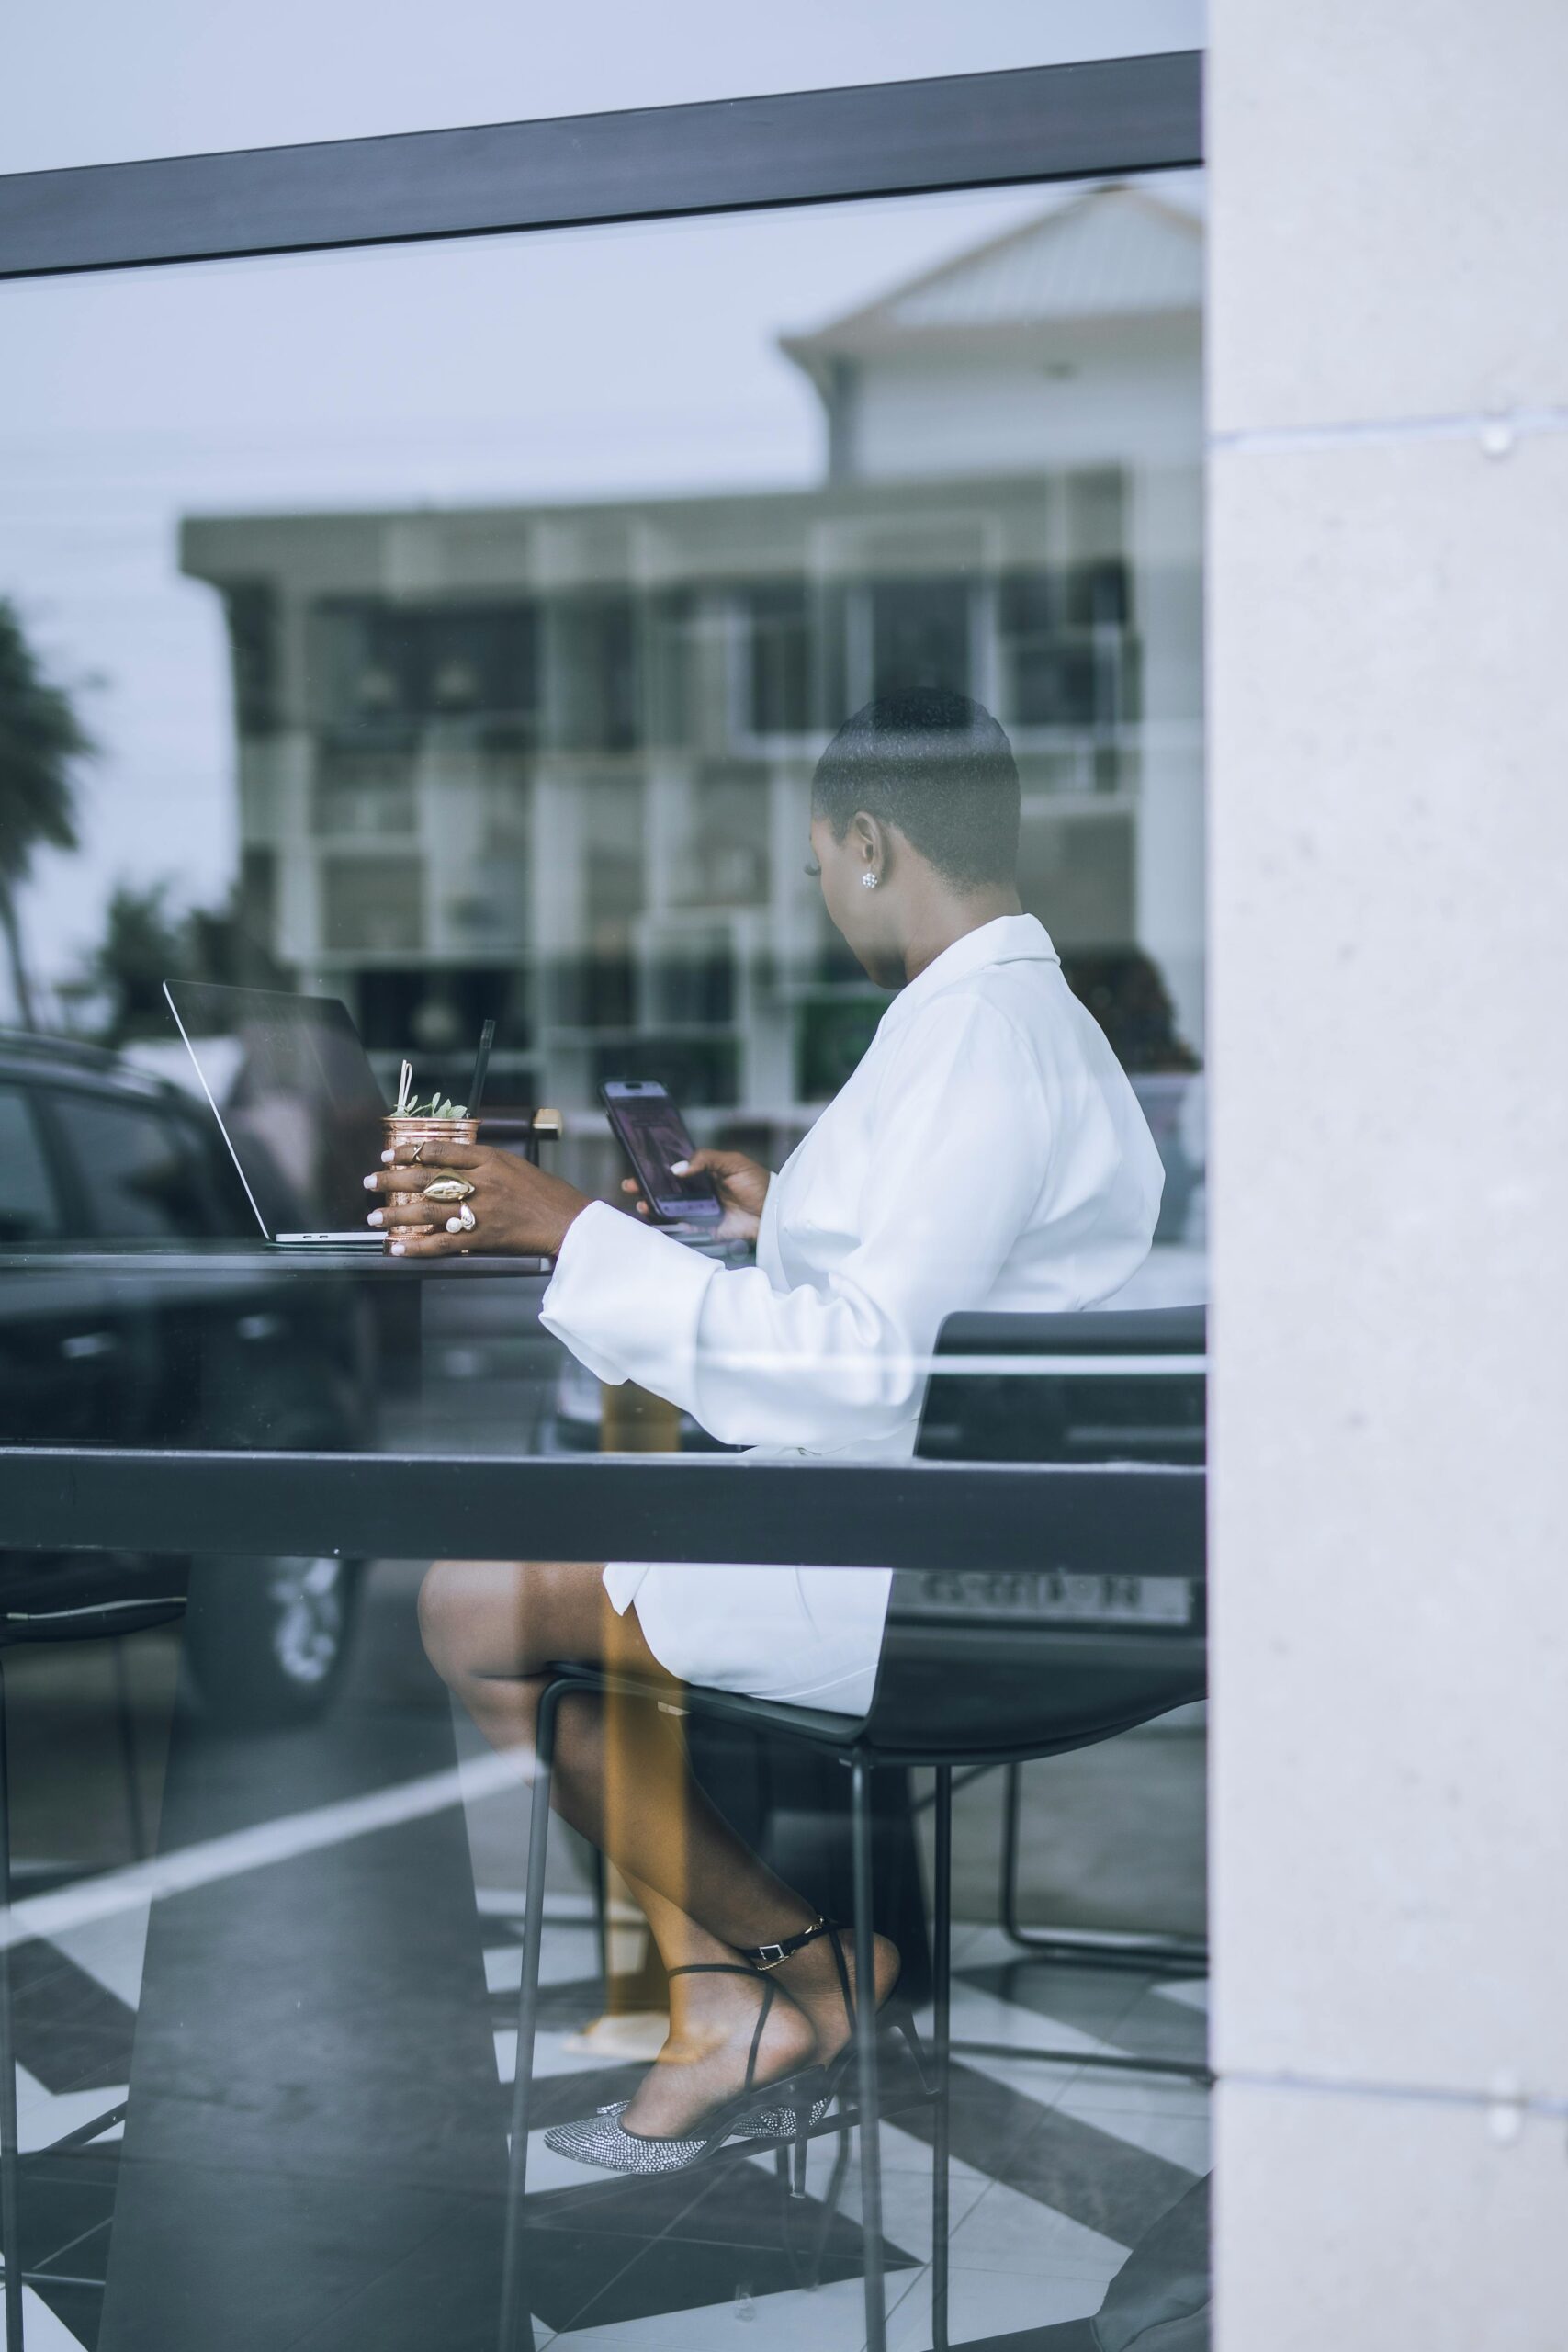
x: 465, y: 669
x: 536, y: 748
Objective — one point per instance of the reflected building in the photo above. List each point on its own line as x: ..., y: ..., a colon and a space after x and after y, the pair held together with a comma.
x: 552, y: 761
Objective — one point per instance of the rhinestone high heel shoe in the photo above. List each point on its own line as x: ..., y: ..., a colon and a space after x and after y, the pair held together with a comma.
x: 779, y: 2123
x: 792, y: 2102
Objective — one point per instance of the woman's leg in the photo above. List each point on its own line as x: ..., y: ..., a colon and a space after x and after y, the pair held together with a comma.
x: 493, y: 1629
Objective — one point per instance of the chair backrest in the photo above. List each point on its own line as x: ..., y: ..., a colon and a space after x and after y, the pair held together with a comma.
x: 1108, y: 1631
x: 1097, y: 1387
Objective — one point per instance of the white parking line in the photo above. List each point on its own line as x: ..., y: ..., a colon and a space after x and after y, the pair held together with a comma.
x: 214, y: 1858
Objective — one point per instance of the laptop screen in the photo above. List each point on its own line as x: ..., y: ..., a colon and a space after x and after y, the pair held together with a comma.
x: 294, y: 1095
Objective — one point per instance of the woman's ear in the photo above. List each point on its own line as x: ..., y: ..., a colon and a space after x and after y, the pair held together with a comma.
x: 868, y: 843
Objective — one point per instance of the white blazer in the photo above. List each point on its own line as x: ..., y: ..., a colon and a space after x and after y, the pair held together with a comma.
x: 987, y: 1152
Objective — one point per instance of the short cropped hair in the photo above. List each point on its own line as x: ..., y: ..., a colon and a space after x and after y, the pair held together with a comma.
x: 937, y: 766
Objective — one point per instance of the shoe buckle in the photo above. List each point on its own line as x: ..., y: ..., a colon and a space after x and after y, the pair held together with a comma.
x: 770, y: 1955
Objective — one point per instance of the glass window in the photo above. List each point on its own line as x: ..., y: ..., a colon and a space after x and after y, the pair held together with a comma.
x: 454, y: 636
x: 458, y: 712
x: 919, y: 634
x: 357, y: 791
x: 28, y: 1208
x: 140, y: 1175
x: 595, y: 674
x: 381, y: 70
x: 779, y: 666
x: 372, y: 903
x: 376, y: 670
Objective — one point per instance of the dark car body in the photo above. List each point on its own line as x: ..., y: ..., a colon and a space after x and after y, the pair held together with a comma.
x: 125, y: 1320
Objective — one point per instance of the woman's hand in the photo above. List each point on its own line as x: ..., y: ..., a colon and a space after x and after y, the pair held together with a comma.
x: 741, y: 1184
x: 517, y: 1209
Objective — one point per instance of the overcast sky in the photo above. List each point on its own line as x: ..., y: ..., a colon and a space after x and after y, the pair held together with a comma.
x: 585, y: 363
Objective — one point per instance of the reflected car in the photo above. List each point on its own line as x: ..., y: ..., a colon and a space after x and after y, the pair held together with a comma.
x: 102, y: 1166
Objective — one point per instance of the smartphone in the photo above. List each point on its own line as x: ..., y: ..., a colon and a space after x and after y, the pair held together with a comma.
x: 653, y: 1135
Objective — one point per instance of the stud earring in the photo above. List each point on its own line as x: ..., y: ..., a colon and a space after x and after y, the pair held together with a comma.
x: 868, y: 881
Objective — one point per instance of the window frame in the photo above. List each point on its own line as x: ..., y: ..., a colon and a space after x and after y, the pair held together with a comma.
x: 1046, y: 122
x: 1117, y: 117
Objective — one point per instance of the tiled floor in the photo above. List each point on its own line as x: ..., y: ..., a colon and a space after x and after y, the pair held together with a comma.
x: 1056, y: 2171
x: 344, y: 2091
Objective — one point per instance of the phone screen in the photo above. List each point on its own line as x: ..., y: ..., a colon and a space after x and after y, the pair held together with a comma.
x: 654, y: 1136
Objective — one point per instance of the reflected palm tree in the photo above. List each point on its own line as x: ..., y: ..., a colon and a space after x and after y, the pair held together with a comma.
x: 42, y: 740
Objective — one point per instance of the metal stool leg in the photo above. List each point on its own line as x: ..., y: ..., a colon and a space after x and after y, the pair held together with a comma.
x: 942, y: 1974
x: 865, y: 2052
x: 516, y: 2321
x: 10, y: 2158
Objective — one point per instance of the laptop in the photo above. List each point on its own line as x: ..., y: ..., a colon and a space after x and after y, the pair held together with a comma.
x: 301, y: 1112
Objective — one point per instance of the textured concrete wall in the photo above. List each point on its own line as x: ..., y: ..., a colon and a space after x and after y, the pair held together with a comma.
x: 1389, y: 909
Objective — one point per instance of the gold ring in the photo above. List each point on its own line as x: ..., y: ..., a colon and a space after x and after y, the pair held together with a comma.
x: 447, y: 1188
x: 419, y: 1146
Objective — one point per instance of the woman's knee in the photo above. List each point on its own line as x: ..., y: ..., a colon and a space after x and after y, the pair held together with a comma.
x: 503, y: 1617
x: 445, y: 1613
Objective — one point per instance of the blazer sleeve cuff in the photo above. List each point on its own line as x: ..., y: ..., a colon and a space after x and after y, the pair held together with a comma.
x: 626, y: 1300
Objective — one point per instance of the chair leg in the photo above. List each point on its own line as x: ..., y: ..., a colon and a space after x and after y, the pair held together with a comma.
x: 835, y: 2184
x: 942, y: 2026
x: 126, y: 1722
x: 10, y: 2158
x: 602, y: 1918
x: 865, y: 2052
x: 516, y: 2321
x: 1138, y: 1953
x: 807, y: 2267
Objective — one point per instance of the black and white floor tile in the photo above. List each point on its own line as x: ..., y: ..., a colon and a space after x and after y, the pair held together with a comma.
x: 1057, y: 2170
x: 73, y: 2009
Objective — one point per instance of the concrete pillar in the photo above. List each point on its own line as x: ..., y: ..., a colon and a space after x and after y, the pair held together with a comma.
x: 1388, y: 646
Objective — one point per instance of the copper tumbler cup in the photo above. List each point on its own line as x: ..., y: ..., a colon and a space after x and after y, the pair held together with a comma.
x: 432, y: 1134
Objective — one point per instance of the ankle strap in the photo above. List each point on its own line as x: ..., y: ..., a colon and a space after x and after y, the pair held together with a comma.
x: 710, y: 1968
x: 766, y: 1956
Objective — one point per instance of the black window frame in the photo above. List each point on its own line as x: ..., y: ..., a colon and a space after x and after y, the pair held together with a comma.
x: 1105, y: 118
x: 1116, y: 116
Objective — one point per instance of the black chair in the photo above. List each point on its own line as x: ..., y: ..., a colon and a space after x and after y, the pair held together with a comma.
x: 1053, y: 1660
x: 1124, y: 1386
x: 79, y: 1600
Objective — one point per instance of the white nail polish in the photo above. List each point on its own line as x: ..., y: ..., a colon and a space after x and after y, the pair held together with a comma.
x: 396, y: 1250
x: 387, y: 1159
x: 679, y: 1167
x: 370, y: 1183
x: 374, y: 1218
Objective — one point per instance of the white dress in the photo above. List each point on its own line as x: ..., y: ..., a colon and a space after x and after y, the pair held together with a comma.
x: 987, y: 1152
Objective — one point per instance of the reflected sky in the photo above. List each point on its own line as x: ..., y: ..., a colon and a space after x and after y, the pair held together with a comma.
x: 94, y: 82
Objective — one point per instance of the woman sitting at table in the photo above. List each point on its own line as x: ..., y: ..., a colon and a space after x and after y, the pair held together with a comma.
x: 987, y: 1152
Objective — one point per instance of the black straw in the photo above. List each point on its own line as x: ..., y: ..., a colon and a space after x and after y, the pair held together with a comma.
x: 482, y: 1064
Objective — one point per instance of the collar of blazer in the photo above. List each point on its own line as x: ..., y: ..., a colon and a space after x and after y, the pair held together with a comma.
x: 1008, y: 939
